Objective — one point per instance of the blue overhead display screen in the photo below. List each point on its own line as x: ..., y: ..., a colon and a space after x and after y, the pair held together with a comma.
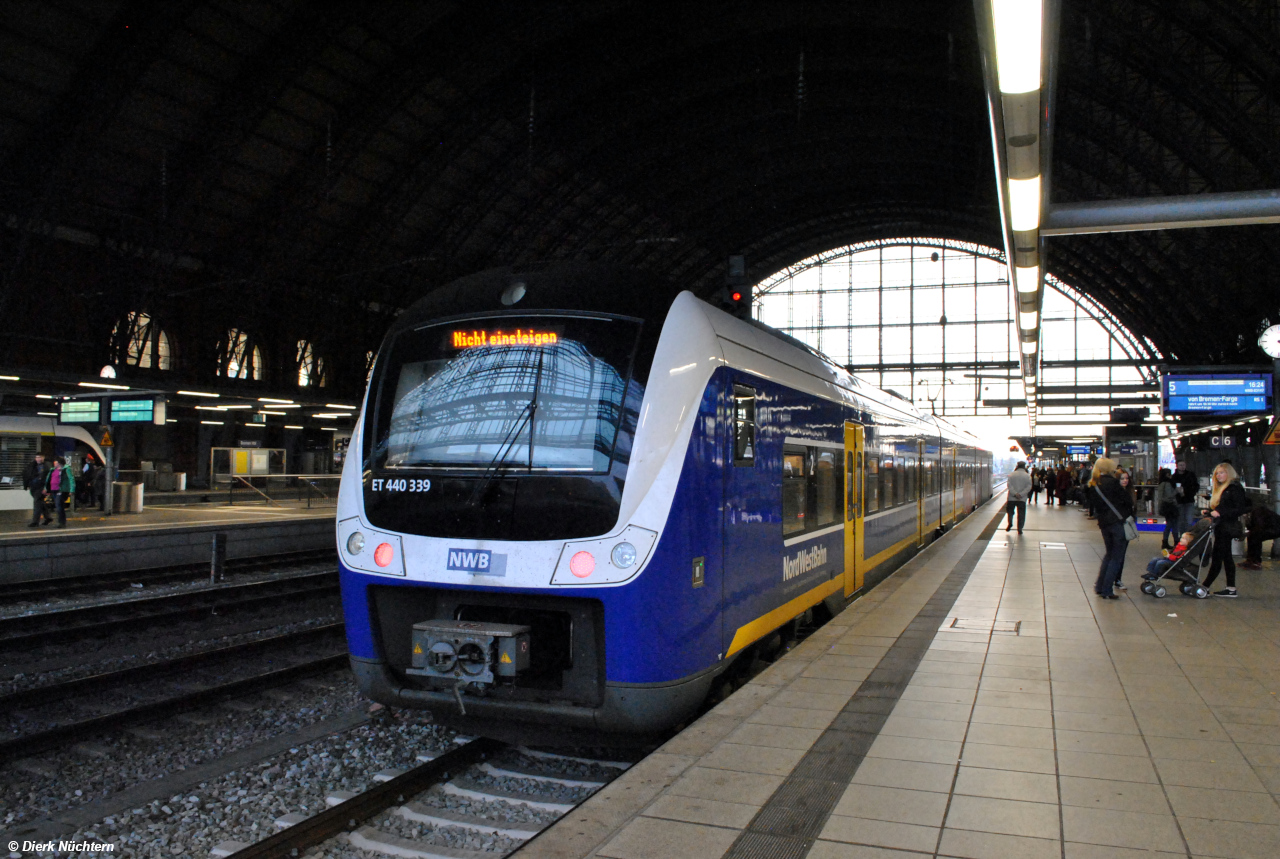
x: 1218, y: 393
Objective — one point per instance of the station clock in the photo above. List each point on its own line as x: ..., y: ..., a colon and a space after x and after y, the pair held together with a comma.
x: 1269, y: 340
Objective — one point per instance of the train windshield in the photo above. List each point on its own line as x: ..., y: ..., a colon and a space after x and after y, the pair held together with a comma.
x: 544, y: 393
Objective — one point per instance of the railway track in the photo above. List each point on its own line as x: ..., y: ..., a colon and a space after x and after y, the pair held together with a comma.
x: 29, y: 630
x: 33, y: 591
x: 483, y: 799
x: 147, y: 700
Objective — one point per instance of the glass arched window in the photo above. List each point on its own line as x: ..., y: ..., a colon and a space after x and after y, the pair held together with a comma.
x: 312, y: 372
x: 138, y: 341
x: 239, y: 357
x: 934, y: 321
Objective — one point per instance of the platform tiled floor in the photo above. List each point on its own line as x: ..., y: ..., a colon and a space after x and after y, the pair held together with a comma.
x: 1042, y: 722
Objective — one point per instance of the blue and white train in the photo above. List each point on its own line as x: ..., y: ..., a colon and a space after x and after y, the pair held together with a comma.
x: 574, y: 499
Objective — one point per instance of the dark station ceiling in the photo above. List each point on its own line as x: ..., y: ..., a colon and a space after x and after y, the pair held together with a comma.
x: 302, y: 168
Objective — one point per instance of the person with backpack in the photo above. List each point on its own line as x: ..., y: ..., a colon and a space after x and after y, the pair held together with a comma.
x: 59, y: 485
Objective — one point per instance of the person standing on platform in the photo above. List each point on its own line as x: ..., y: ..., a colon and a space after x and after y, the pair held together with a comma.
x: 1188, y: 487
x: 1264, y: 525
x: 1166, y: 504
x: 1035, y: 485
x: 1227, y: 504
x: 1062, y: 485
x: 33, y: 477
x: 1114, y: 505
x: 1019, y: 490
x: 60, y: 484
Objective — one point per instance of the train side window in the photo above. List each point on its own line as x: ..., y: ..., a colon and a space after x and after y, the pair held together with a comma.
x: 744, y: 425
x: 871, y: 483
x: 888, y: 484
x: 795, y: 489
x: 827, y: 488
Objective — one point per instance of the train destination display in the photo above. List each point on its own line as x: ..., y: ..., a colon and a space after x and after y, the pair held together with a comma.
x: 78, y: 412
x: 1217, y: 393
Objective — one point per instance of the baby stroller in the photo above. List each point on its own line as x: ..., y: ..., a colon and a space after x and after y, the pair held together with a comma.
x: 1197, y: 557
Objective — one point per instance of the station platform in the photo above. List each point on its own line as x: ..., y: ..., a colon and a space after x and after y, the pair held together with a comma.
x: 982, y: 702
x: 158, y: 536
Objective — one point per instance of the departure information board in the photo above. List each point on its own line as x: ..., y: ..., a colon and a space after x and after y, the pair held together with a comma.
x: 79, y: 412
x: 132, y: 411
x: 1219, y: 393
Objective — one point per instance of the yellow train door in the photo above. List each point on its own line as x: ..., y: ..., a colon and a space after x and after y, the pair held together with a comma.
x: 853, y: 493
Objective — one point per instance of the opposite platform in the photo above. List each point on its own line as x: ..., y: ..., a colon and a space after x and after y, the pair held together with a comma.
x: 982, y: 702
x: 93, y: 543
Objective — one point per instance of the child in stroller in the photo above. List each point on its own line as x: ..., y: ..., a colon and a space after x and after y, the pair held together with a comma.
x: 1194, y: 546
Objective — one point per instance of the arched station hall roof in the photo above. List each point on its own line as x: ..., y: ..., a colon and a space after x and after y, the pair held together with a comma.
x: 304, y: 168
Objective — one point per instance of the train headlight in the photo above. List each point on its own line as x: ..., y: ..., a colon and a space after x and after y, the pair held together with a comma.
x: 383, y: 555
x: 355, y: 543
x: 623, y: 555
x: 582, y: 564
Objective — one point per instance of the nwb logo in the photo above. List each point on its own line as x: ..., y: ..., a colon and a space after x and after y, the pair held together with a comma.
x: 468, y: 561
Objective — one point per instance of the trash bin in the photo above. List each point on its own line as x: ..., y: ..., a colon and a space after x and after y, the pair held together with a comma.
x: 126, y: 497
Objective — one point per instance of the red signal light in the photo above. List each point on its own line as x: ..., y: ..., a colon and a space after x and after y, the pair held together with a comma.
x: 737, y: 296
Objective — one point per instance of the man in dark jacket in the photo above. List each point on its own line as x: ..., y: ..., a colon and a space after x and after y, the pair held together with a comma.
x: 1188, y: 487
x: 33, y: 479
x: 1264, y: 525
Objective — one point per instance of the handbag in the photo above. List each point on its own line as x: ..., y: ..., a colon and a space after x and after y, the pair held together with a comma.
x: 1168, y: 510
x: 1130, y: 525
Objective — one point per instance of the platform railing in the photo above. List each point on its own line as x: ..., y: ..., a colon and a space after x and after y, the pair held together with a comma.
x: 316, y: 490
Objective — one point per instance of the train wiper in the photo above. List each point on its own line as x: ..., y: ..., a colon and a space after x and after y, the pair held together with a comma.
x: 529, y: 413
x: 504, y: 447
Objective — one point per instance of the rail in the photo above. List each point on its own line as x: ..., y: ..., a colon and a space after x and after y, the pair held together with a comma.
x: 28, y: 630
x: 42, y: 741
x: 348, y: 815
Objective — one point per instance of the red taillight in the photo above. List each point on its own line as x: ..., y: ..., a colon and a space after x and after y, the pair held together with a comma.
x: 582, y: 564
x: 383, y: 554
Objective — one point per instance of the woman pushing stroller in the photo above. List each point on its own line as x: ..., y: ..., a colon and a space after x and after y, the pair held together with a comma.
x: 1227, y: 504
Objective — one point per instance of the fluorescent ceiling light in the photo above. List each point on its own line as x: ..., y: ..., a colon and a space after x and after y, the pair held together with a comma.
x: 1026, y: 279
x: 292, y: 426
x: 212, y: 423
x: 210, y: 409
x: 265, y: 412
x: 9, y: 378
x: 44, y: 396
x: 48, y: 414
x: 329, y: 429
x: 103, y: 385
x: 270, y: 400
x: 171, y: 420
x: 1024, y: 204
x: 1018, y: 27
x: 236, y: 406
x: 197, y: 394
x: 330, y: 415
x: 1027, y: 319
x: 1028, y: 347
x: 344, y: 408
